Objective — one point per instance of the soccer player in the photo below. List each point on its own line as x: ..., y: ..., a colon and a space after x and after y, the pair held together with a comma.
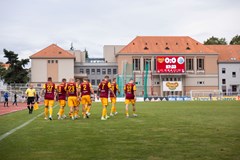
x: 15, y: 99
x: 130, y: 96
x: 5, y: 99
x: 104, y: 88
x: 114, y: 87
x: 61, y: 98
x: 85, y: 92
x: 49, y: 92
x: 78, y: 100
x: 72, y: 92
x: 30, y: 94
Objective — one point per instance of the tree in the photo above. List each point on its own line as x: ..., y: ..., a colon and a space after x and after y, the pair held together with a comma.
x: 235, y: 40
x: 86, y: 53
x: 214, y: 40
x: 16, y: 73
x: 2, y: 70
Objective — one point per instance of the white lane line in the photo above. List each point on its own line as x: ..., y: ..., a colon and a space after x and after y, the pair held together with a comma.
x: 21, y: 126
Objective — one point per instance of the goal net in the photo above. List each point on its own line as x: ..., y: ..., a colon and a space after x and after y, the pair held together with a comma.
x: 206, y: 94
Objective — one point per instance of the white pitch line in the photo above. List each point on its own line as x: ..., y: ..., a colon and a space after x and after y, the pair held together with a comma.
x: 21, y: 126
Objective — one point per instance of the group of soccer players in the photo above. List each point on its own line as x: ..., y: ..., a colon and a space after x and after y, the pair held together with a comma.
x: 76, y: 93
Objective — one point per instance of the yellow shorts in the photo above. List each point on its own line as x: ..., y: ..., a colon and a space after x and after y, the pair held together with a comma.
x: 62, y: 103
x: 72, y: 101
x: 86, y: 99
x: 104, y: 101
x: 113, y: 99
x: 128, y: 101
x: 48, y: 103
x: 78, y: 102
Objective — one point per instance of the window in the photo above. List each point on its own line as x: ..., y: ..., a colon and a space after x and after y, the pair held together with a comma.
x: 98, y: 71
x: 88, y: 71
x: 81, y: 71
x: 200, y: 64
x: 56, y: 61
x: 92, y: 71
x: 223, y: 81
x: 98, y: 81
x: 114, y: 71
x: 93, y: 81
x: 200, y: 82
x: 147, y: 62
x: 52, y: 61
x: 109, y: 71
x: 234, y: 74
x: 136, y: 64
x: 223, y: 70
x: 103, y: 71
x: 234, y: 88
x: 189, y: 64
x: 49, y: 61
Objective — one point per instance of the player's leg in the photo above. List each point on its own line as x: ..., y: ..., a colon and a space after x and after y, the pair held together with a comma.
x: 51, y: 103
x: 88, y: 106
x: 28, y: 105
x: 46, y: 109
x: 104, y: 109
x: 112, y: 108
x: 134, y: 108
x: 32, y: 103
x: 126, y: 108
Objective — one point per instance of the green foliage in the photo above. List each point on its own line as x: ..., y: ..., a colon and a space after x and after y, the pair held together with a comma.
x: 163, y: 130
x: 16, y: 73
x: 2, y: 71
x: 215, y: 41
x: 235, y: 40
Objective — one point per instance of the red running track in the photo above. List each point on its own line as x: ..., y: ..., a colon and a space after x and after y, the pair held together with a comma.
x: 11, y: 108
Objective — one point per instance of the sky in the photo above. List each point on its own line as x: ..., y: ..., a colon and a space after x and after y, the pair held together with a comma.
x: 27, y: 26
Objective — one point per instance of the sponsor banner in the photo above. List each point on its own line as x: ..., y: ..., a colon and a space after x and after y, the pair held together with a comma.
x: 170, y: 64
x: 156, y: 99
x: 172, y: 85
x: 230, y: 98
x: 224, y: 98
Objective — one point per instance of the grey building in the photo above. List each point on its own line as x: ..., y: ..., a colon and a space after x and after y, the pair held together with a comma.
x: 228, y: 68
x: 95, y: 69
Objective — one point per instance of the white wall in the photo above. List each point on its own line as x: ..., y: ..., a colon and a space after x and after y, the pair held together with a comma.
x: 38, y: 70
x: 65, y: 69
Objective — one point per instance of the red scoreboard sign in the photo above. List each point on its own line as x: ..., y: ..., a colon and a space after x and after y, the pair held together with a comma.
x: 170, y: 64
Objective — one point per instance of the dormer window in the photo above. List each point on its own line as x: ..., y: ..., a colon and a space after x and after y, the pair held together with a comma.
x: 188, y: 48
x: 167, y: 48
x: 145, y: 48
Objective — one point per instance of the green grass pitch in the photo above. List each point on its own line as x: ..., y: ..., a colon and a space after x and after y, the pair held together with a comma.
x: 162, y: 131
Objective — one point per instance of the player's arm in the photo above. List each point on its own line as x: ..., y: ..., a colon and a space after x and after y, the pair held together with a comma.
x: 43, y: 90
x: 26, y: 93
x: 134, y: 92
x: 110, y: 88
x: 117, y: 89
x: 77, y: 90
x: 98, y: 90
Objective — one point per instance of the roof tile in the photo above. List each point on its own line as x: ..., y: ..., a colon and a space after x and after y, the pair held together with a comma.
x: 52, y: 51
x: 165, y: 44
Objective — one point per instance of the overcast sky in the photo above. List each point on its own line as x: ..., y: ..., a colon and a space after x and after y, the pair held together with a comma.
x: 27, y: 26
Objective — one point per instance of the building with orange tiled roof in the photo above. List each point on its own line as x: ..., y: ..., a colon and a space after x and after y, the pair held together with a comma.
x: 54, y: 62
x: 58, y: 63
x: 229, y: 68
x: 140, y: 58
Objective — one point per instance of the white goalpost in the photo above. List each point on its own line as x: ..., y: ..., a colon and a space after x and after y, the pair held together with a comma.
x: 207, y: 94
